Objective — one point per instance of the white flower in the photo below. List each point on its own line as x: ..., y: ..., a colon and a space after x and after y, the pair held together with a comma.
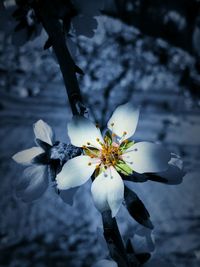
x: 35, y: 178
x: 109, y: 156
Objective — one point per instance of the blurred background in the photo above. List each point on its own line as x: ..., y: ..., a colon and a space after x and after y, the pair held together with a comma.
x: 146, y: 52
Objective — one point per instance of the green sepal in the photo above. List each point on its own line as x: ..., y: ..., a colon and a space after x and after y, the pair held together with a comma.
x: 123, y: 168
x: 108, y: 138
x: 91, y: 151
x: 98, y: 171
x: 125, y: 145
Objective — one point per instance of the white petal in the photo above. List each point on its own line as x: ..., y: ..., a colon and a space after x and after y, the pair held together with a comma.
x: 147, y: 157
x: 124, y: 119
x: 99, y: 192
x: 105, y: 263
x: 108, y: 191
x: 81, y: 131
x: 26, y: 156
x: 75, y: 172
x: 34, y: 182
x: 43, y: 132
x: 115, y: 191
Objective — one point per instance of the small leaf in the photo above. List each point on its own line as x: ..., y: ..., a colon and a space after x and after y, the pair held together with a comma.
x: 20, y: 26
x: 122, y: 167
x: 48, y: 44
x: 41, y: 159
x: 91, y: 151
x: 98, y: 171
x: 43, y: 144
x: 125, y: 145
x: 136, y: 208
x: 79, y: 70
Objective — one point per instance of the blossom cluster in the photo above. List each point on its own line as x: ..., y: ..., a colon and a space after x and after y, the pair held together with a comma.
x: 107, y: 158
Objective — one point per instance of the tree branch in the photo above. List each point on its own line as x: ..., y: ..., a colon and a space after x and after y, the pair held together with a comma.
x: 67, y: 66
x: 66, y: 63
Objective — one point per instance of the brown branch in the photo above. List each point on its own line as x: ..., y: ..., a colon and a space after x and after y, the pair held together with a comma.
x: 53, y: 28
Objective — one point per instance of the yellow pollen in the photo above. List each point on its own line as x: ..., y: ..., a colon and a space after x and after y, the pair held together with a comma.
x: 113, y: 135
x: 110, y: 154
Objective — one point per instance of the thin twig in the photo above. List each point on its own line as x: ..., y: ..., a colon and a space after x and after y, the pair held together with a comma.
x: 67, y: 66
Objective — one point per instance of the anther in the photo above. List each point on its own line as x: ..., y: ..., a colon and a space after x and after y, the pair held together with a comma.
x: 112, y: 124
x: 124, y: 133
x: 88, y: 143
x: 97, y: 139
x: 89, y: 164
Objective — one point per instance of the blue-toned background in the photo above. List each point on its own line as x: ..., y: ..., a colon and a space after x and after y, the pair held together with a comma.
x: 120, y: 65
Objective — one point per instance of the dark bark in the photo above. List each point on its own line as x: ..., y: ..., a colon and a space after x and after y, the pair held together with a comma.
x: 66, y: 63
x: 68, y: 68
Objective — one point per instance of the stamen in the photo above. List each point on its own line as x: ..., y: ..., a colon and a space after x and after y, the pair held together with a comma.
x: 88, y: 143
x: 112, y: 124
x: 89, y: 164
x: 97, y: 139
x: 124, y: 133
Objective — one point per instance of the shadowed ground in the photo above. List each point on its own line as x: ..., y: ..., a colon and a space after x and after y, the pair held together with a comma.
x: 120, y: 65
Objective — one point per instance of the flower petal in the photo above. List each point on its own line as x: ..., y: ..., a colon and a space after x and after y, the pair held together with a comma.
x: 34, y: 183
x: 124, y: 119
x: 145, y: 157
x: 108, y: 191
x: 105, y: 263
x: 43, y: 132
x: 25, y: 157
x: 81, y: 131
x: 75, y: 172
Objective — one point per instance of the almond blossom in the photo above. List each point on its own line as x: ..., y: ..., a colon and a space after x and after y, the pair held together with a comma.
x: 36, y: 160
x: 109, y: 156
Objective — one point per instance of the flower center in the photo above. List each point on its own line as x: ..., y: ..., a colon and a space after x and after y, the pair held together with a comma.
x: 110, y: 154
